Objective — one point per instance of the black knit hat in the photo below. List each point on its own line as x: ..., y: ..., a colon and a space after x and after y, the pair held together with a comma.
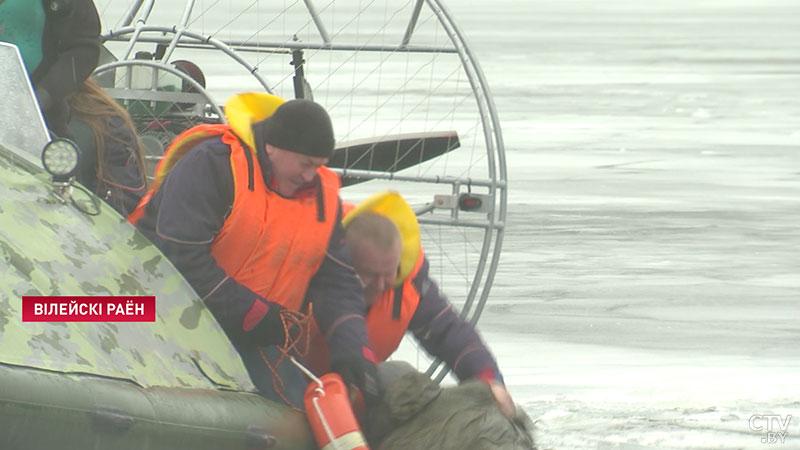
x: 300, y: 126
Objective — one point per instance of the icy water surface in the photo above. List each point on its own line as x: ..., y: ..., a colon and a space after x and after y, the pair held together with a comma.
x: 648, y: 296
x: 648, y: 293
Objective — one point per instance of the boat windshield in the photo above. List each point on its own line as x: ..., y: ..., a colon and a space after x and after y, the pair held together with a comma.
x: 24, y: 131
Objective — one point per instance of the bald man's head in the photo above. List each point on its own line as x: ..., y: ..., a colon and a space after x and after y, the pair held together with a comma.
x: 375, y: 244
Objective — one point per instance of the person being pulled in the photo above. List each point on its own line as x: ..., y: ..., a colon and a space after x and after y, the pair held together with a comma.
x: 415, y: 412
x: 383, y: 236
x: 252, y: 218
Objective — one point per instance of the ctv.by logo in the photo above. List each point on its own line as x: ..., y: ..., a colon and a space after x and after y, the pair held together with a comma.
x: 776, y: 427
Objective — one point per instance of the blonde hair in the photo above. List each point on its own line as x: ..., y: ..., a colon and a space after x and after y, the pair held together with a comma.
x: 93, y: 106
x: 377, y: 230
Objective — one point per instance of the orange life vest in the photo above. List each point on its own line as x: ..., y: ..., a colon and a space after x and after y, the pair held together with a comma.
x: 270, y: 244
x: 176, y: 150
x: 387, y: 322
x: 388, y: 318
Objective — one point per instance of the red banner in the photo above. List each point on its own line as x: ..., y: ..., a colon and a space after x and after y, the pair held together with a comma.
x: 89, y: 309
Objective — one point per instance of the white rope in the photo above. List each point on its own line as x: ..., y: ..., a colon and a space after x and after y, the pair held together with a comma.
x: 320, y: 391
x: 308, y: 373
x: 328, y: 431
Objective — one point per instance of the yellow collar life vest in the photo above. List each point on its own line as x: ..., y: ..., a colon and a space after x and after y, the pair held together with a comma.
x: 392, y: 205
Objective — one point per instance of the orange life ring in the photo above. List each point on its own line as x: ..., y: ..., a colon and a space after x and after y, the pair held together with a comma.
x: 330, y: 415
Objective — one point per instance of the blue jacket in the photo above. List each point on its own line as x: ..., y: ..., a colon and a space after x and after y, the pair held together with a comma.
x: 184, y: 216
x: 444, y: 334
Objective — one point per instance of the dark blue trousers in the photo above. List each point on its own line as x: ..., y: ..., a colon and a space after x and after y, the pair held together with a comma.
x: 291, y: 383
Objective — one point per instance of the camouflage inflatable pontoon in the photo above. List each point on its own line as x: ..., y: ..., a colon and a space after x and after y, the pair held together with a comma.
x: 173, y: 383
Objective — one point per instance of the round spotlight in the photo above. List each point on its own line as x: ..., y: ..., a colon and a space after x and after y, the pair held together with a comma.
x: 60, y: 158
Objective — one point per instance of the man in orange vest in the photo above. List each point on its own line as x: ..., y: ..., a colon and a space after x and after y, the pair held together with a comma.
x: 383, y: 237
x: 251, y: 217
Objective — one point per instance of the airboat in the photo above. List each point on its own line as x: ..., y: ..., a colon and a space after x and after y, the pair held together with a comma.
x: 412, y: 109
x: 412, y: 113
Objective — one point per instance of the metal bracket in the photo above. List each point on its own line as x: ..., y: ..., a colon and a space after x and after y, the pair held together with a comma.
x: 466, y: 202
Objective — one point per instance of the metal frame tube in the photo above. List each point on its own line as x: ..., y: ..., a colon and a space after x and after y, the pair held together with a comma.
x: 260, y: 46
x: 137, y: 4
x: 207, y: 40
x: 412, y: 23
x: 167, y: 68
x: 187, y: 13
x: 495, y: 148
x: 312, y: 11
x: 436, y: 179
